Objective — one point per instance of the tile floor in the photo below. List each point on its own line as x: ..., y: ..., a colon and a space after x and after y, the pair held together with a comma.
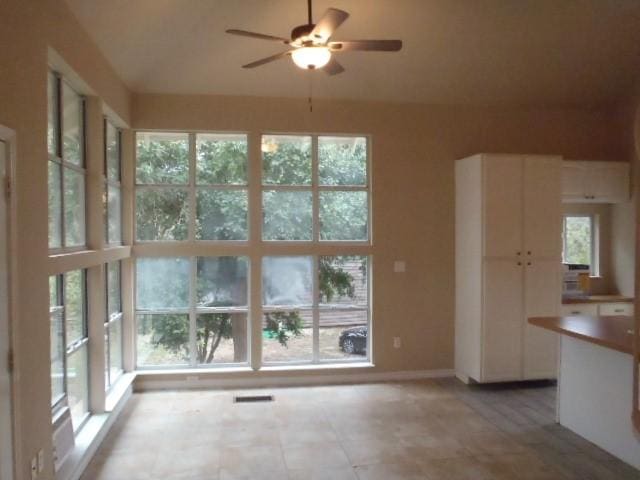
x: 428, y: 430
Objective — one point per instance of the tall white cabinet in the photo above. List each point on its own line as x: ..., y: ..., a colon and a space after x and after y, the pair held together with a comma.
x: 508, y: 265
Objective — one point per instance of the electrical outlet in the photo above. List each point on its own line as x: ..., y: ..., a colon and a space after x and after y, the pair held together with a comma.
x: 397, y: 343
x: 399, y: 266
x: 40, y: 461
x: 34, y: 468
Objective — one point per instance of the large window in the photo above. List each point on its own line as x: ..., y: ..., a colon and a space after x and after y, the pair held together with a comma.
x: 314, y: 188
x: 191, y: 187
x: 316, y: 309
x: 192, y: 311
x: 66, y: 147
x: 69, y: 344
x: 311, y: 199
x: 113, y: 192
x: 580, y: 241
x: 113, y: 324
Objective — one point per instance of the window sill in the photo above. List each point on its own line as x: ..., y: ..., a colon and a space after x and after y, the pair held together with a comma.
x: 95, y: 429
x: 316, y: 366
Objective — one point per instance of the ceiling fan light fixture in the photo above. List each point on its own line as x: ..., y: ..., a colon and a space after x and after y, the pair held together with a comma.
x: 310, y: 58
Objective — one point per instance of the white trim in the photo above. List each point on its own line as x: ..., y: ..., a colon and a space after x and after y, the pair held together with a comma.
x: 93, y: 433
x: 145, y: 382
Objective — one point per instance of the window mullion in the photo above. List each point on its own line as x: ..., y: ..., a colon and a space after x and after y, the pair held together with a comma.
x: 315, y: 212
x: 192, y: 310
x: 191, y: 234
x: 315, y: 309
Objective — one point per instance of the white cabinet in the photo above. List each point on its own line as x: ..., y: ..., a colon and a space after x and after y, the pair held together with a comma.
x: 595, y: 182
x: 508, y: 249
x: 598, y: 309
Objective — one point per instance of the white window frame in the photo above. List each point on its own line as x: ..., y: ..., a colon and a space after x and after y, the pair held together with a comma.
x: 192, y: 188
x: 111, y: 320
x: 315, y: 188
x: 315, y: 308
x: 70, y: 349
x: 112, y: 183
x: 58, y: 159
x: 594, y: 268
x: 192, y: 311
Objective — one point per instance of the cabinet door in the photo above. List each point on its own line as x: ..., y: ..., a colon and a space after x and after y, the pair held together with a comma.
x: 542, y: 207
x: 542, y: 299
x: 608, y: 182
x: 502, y: 186
x: 502, y: 320
x: 574, y: 181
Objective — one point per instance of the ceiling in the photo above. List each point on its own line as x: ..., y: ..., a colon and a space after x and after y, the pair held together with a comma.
x: 457, y: 52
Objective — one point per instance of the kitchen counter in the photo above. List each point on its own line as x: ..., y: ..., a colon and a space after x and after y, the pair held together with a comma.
x: 598, y: 299
x: 595, y: 381
x: 609, y: 332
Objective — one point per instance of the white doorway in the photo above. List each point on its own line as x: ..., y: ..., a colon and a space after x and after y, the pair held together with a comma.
x: 6, y: 434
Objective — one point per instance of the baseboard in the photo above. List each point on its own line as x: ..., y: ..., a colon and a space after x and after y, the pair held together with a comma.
x: 148, y: 383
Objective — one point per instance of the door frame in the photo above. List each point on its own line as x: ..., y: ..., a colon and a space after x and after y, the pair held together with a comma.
x: 8, y: 136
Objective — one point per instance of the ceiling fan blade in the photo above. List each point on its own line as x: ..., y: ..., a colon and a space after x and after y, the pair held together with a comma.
x: 366, y: 45
x: 333, y: 67
x: 328, y: 24
x: 262, y: 61
x: 260, y: 36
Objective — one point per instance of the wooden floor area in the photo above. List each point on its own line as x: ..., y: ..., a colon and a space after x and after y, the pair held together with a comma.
x: 428, y: 430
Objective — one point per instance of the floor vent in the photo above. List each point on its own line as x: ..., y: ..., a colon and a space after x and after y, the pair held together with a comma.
x: 253, y: 398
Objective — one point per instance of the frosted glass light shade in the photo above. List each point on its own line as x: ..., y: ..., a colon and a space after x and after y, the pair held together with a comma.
x: 311, y: 57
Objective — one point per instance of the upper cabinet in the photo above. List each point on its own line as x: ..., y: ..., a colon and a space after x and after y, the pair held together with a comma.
x: 595, y: 182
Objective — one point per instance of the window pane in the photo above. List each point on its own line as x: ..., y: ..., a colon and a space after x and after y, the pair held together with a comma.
x: 162, y: 158
x: 55, y: 206
x: 107, y: 381
x: 74, y: 306
x: 112, y: 144
x: 221, y: 215
x: 343, y: 215
x: 74, y: 216
x: 286, y: 215
x: 342, y: 160
x: 287, y: 336
x: 72, y: 126
x: 114, y: 215
x: 57, y: 353
x: 222, y: 282
x: 343, y: 334
x: 115, y: 350
x: 221, y: 338
x: 78, y: 385
x: 162, y: 283
x: 162, y: 340
x: 221, y: 159
x: 578, y: 240
x: 161, y: 214
x: 343, y: 281
x: 287, y: 280
x: 286, y: 160
x: 52, y: 114
x: 114, y: 304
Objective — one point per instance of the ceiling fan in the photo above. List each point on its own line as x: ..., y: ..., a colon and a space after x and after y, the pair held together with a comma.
x: 310, y: 45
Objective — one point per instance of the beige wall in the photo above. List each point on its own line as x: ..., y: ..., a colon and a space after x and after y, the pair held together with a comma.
x: 27, y: 29
x: 414, y: 148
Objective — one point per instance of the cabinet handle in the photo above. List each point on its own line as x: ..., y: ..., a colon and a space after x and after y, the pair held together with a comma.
x: 619, y: 310
x: 518, y: 253
x: 529, y: 252
x: 529, y: 263
x: 519, y: 263
x: 575, y: 312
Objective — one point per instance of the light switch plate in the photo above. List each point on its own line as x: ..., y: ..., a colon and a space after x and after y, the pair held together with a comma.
x: 399, y: 266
